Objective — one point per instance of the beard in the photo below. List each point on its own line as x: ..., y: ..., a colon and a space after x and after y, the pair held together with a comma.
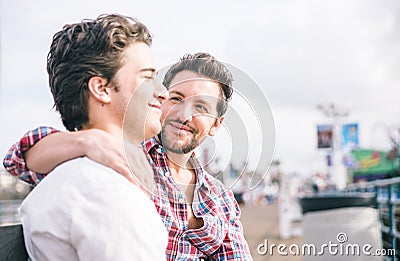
x: 171, y: 143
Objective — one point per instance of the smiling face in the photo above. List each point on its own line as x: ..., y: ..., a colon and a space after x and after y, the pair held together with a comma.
x: 190, y: 113
x: 139, y: 95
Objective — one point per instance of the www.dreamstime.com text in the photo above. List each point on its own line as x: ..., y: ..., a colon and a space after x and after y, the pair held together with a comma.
x: 338, y: 248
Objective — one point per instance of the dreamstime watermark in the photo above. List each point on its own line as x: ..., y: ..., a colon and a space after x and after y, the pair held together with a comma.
x: 338, y: 248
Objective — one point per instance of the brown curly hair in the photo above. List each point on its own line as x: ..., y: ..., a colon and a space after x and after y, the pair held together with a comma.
x: 83, y: 50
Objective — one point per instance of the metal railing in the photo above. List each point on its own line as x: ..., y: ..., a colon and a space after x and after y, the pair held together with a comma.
x: 387, y: 193
x: 9, y: 212
x: 12, y: 192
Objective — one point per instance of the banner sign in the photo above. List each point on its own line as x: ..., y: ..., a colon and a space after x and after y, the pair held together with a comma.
x: 371, y: 162
x: 350, y: 136
x: 324, y: 134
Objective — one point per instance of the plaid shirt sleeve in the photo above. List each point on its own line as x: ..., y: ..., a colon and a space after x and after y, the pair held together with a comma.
x: 209, y: 237
x: 221, y: 237
x: 234, y: 245
x: 14, y: 161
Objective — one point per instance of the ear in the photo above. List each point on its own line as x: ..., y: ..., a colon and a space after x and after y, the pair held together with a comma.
x: 216, y: 126
x: 99, y: 91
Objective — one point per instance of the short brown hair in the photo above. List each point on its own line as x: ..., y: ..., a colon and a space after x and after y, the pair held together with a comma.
x: 83, y: 50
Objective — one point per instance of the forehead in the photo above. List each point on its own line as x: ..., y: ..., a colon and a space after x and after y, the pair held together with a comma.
x: 138, y: 56
x: 191, y: 84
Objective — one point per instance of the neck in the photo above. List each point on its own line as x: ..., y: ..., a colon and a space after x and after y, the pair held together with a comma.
x: 117, y: 132
x: 105, y: 118
x: 109, y: 128
x: 179, y: 161
x: 182, y: 173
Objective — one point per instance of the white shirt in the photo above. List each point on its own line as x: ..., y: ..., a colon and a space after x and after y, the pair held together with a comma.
x: 85, y: 211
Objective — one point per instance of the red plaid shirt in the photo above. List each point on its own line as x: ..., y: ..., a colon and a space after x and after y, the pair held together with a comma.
x: 221, y: 237
x: 14, y: 160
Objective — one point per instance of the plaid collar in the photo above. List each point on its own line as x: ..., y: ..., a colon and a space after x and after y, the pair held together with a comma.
x: 154, y: 149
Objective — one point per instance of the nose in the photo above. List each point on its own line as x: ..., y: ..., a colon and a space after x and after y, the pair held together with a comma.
x: 184, y: 111
x: 161, y: 93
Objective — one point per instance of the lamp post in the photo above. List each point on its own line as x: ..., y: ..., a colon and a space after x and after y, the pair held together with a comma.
x: 337, y: 170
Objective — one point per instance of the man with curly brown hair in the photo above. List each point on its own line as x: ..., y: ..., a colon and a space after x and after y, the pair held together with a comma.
x: 84, y: 210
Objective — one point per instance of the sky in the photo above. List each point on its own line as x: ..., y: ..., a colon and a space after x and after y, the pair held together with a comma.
x: 297, y: 54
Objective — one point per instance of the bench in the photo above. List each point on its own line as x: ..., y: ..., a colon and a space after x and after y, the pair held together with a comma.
x: 12, y: 246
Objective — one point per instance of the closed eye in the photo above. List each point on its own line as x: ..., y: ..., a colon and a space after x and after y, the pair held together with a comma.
x: 175, y: 99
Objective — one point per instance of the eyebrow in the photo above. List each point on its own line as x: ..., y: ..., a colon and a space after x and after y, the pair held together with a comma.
x: 148, y: 69
x: 177, y: 92
x: 198, y: 99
